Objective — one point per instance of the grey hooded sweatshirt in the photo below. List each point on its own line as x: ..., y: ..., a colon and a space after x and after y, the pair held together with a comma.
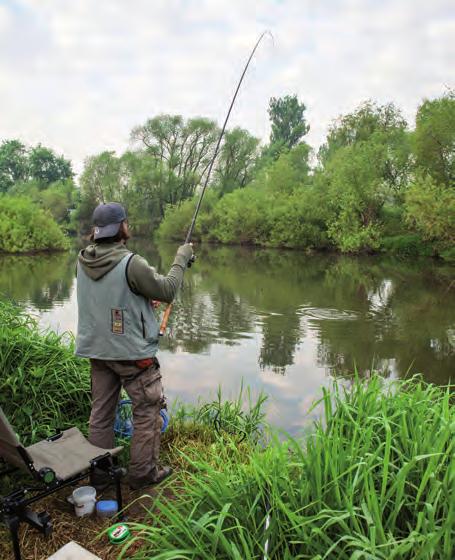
x: 115, y: 286
x: 99, y: 258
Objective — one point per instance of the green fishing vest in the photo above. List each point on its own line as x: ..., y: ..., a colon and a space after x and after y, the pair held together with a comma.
x: 114, y: 323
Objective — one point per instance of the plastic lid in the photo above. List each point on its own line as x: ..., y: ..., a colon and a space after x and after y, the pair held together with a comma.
x: 118, y: 533
x: 107, y: 506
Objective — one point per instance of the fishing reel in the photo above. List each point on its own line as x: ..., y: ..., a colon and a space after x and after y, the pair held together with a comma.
x: 192, y: 260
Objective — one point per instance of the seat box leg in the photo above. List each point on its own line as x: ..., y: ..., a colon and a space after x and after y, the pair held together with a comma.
x: 39, y: 521
x: 13, y: 522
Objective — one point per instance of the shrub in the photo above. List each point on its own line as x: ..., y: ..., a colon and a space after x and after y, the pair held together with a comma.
x: 177, y: 219
x: 407, y: 245
x: 430, y: 209
x: 24, y: 227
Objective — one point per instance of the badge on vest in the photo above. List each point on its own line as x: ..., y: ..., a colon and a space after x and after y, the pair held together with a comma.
x: 117, y: 321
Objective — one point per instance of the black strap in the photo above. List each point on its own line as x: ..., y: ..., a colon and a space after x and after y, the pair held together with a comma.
x: 126, y: 275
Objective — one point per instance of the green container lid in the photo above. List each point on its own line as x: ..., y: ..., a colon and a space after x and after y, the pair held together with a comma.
x: 119, y: 533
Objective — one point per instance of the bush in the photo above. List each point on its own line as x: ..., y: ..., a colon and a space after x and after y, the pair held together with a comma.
x: 241, y: 217
x: 448, y: 254
x: 57, y: 198
x: 294, y: 222
x: 177, y: 219
x: 407, y: 245
x: 430, y: 209
x: 275, y: 210
x: 25, y: 228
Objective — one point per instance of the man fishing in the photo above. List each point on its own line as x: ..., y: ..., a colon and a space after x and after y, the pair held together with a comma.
x: 118, y: 332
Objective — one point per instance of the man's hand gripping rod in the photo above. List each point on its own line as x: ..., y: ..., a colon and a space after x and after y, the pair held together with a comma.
x: 168, y: 309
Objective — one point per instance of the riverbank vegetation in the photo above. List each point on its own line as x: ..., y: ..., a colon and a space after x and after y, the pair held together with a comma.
x: 37, y: 192
x: 373, y: 478
x: 377, y: 183
x: 27, y: 228
x: 374, y: 185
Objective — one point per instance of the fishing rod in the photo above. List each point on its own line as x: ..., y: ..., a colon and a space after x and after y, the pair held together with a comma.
x: 168, y: 309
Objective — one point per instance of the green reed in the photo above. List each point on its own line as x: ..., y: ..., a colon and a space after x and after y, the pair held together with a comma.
x: 374, y: 480
x: 43, y: 386
x: 241, y: 417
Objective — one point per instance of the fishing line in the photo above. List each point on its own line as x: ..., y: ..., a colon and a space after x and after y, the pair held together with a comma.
x: 168, y: 309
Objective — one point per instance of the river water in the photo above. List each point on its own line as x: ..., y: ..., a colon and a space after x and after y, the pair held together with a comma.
x: 278, y: 321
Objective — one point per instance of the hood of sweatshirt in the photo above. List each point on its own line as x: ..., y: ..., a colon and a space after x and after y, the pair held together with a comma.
x: 98, y: 259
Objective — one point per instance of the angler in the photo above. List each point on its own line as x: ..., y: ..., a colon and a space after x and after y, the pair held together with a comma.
x: 118, y: 332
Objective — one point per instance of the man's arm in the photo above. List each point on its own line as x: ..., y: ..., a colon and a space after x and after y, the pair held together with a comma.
x: 143, y: 278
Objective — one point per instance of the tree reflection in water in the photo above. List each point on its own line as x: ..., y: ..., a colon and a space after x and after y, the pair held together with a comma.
x: 39, y: 280
x: 367, y: 312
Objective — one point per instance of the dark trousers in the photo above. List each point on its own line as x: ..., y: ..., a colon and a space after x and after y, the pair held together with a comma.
x: 145, y: 390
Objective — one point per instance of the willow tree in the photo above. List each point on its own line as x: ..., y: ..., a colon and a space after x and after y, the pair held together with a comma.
x: 236, y: 161
x: 182, y: 151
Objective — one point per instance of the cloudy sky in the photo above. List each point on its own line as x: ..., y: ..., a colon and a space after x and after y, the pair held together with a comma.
x: 77, y: 75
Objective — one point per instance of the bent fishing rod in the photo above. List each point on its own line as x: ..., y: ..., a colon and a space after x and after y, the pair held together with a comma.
x: 168, y: 309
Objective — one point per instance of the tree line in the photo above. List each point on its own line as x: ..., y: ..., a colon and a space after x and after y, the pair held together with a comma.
x: 375, y: 184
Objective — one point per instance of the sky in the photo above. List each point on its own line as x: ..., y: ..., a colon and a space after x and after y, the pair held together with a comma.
x: 78, y: 75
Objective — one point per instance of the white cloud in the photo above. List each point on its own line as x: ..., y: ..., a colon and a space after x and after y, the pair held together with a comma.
x: 79, y: 75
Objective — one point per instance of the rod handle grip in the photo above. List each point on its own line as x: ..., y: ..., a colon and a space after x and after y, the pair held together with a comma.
x: 191, y: 261
x: 165, y: 319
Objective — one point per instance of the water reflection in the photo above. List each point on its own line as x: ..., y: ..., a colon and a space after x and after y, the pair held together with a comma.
x: 366, y: 312
x: 40, y: 281
x: 278, y: 320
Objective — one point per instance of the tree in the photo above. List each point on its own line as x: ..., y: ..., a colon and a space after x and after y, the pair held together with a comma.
x: 434, y: 139
x: 182, y: 150
x: 430, y: 209
x: 367, y: 120
x: 134, y: 179
x: 381, y: 125
x: 236, y: 161
x: 45, y: 166
x: 58, y: 197
x: 287, y: 117
x: 355, y: 192
x: 290, y: 170
x: 38, y: 165
x: 13, y: 163
x: 100, y: 181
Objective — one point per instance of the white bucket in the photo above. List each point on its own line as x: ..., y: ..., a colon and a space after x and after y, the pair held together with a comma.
x: 84, y: 499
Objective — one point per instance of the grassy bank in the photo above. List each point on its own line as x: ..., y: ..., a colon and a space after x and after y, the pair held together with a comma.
x: 43, y: 386
x: 375, y: 479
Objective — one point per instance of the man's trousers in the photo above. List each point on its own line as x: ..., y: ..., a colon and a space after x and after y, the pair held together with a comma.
x: 145, y: 391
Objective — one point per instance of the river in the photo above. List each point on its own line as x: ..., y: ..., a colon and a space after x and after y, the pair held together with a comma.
x: 278, y: 321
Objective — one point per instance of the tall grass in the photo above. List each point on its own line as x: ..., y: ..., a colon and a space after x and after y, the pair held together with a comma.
x: 374, y: 480
x: 242, y: 417
x: 43, y: 386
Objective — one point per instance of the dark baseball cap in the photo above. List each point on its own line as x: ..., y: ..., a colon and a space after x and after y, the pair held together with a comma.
x: 107, y: 219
